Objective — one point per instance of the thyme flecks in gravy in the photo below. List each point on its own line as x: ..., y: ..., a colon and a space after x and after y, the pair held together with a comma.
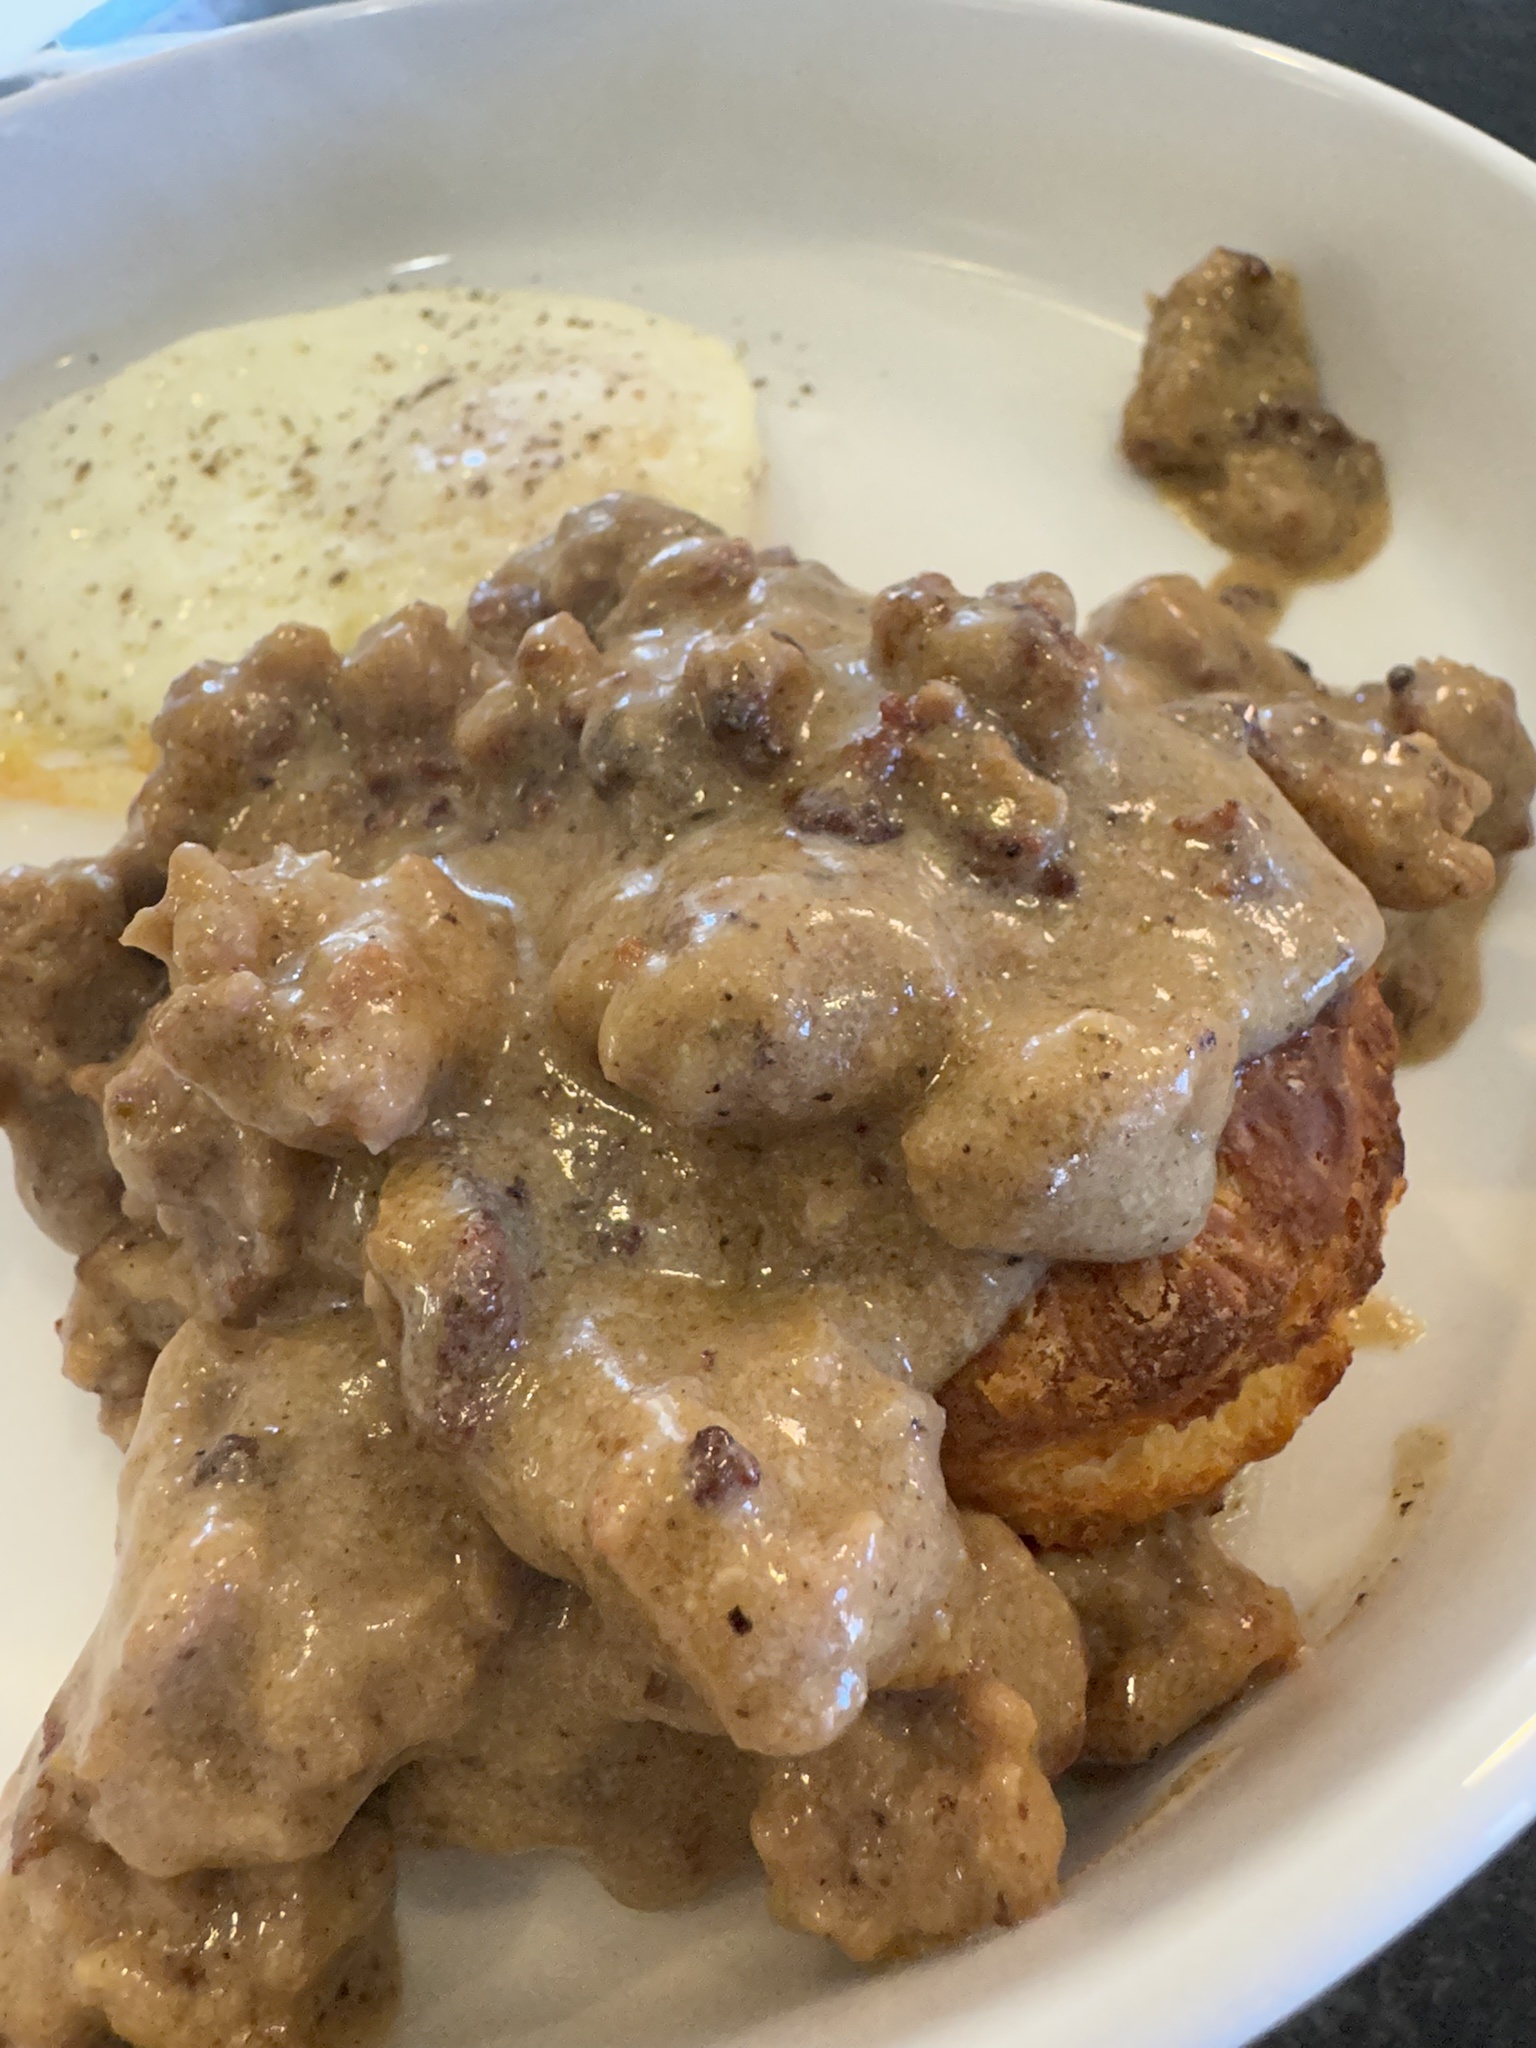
x: 549, y: 1107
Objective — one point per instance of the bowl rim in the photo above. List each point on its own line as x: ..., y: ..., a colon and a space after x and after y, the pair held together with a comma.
x: 321, y: 17
x: 1471, y: 1764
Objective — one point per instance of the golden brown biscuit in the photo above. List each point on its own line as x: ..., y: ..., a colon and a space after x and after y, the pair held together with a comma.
x: 1101, y: 1487
x: 1121, y: 1391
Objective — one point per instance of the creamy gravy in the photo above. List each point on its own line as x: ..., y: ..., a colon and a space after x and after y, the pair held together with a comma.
x: 728, y: 993
x: 820, y: 971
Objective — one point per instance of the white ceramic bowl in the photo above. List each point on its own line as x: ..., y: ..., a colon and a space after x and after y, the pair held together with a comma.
x: 940, y: 216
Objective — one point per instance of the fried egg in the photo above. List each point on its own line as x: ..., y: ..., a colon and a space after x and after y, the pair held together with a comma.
x: 330, y: 466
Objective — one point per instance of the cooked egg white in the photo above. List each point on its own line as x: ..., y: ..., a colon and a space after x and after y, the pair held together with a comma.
x: 330, y: 466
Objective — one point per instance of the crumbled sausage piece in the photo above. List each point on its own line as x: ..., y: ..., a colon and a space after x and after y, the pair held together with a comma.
x: 132, y: 1293
x: 782, y: 1617
x: 846, y: 813
x: 1431, y: 971
x: 452, y: 1256
x: 721, y: 1471
x: 1298, y: 488
x: 707, y: 574
x: 904, y: 618
x: 594, y: 555
x: 1405, y: 814
x: 1174, y: 1629
x: 1015, y: 1624
x: 628, y: 736
x: 35, y: 1811
x: 500, y: 611
x: 231, y: 1198
x: 1229, y: 858
x: 1013, y: 658
x: 1227, y: 410
x: 557, y: 658
x: 1230, y: 335
x: 518, y: 725
x: 92, y: 1950
x: 1011, y: 820
x: 64, y: 1176
x: 934, y: 705
x: 1396, y: 812
x: 274, y: 1640
x: 562, y: 1752
x: 755, y: 690
x: 409, y: 673
x: 839, y: 1567
x: 1476, y: 721
x: 932, y: 754
x: 929, y: 1820
x: 679, y: 743
x: 289, y: 745
x: 318, y: 1009
x: 70, y: 996
x: 1045, y: 590
x: 859, y: 799
x: 588, y: 974
x: 779, y: 998
x: 226, y: 728
x: 1189, y: 642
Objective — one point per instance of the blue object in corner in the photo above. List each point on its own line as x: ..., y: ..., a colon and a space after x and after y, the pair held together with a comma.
x: 110, y: 23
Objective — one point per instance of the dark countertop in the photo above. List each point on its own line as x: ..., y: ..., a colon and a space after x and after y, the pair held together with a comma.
x: 1474, y: 58
x: 1466, y: 1976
